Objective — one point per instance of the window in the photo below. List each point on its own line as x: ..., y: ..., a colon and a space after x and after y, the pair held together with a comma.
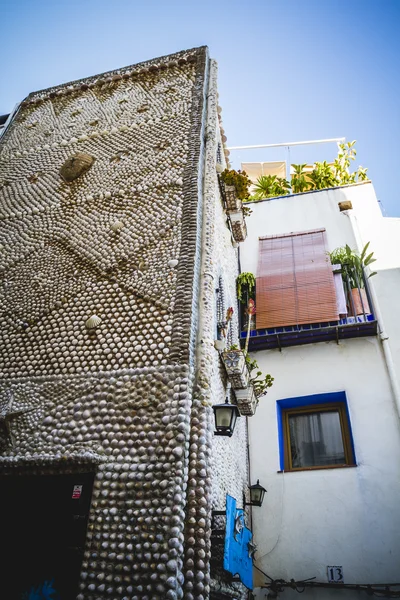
x: 295, y: 283
x: 315, y: 432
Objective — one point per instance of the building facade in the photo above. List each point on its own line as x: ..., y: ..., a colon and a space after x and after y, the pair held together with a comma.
x: 325, y: 441
x: 117, y: 265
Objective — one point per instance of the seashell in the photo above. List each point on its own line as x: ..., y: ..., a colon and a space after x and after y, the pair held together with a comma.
x: 116, y: 226
x: 219, y: 167
x: 93, y: 322
x: 75, y: 166
x: 172, y: 263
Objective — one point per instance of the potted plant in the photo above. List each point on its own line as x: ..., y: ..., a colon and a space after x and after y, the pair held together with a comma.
x: 247, y: 399
x: 236, y: 187
x: 299, y: 179
x: 353, y: 265
x: 246, y: 285
x: 270, y: 186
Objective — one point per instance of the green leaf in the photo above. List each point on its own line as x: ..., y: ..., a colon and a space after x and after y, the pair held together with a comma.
x: 363, y: 253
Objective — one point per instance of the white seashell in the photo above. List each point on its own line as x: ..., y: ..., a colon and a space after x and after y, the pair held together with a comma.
x: 219, y: 344
x: 219, y: 168
x: 116, y: 225
x: 93, y: 322
x: 172, y: 263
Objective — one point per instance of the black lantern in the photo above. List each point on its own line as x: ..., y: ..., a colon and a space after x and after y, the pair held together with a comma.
x: 257, y: 493
x: 225, y: 418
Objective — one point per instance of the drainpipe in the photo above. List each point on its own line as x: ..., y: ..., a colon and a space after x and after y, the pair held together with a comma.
x: 383, y: 336
x: 198, y: 540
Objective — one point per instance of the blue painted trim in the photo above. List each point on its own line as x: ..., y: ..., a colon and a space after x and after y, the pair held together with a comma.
x: 302, y: 401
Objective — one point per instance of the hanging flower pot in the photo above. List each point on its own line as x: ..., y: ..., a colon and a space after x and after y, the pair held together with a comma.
x: 231, y: 198
x: 236, y: 368
x: 246, y: 401
x: 238, y: 225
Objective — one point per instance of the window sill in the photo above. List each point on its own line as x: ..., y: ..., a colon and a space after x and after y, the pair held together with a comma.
x: 319, y: 468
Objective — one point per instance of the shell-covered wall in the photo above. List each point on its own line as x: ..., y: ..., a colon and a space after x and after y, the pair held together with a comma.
x: 100, y: 296
x: 61, y: 258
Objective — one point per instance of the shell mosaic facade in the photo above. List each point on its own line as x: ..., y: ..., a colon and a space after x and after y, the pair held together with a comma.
x: 112, y: 240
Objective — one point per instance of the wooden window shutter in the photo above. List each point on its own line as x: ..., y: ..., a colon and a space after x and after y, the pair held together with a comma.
x: 295, y: 284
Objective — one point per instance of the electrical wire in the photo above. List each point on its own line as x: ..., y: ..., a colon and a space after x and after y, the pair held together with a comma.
x: 278, y: 585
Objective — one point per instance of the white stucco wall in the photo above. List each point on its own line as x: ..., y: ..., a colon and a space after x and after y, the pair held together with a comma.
x: 349, y: 516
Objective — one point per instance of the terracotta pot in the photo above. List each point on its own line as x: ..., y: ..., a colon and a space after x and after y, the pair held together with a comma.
x: 358, y: 306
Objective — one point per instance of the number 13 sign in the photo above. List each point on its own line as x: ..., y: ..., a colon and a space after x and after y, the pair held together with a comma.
x: 335, y: 574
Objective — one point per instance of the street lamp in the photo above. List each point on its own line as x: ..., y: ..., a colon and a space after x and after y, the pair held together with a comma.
x: 257, y: 493
x: 225, y: 418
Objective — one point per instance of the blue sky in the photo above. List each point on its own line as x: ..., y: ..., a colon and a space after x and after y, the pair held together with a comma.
x: 289, y: 70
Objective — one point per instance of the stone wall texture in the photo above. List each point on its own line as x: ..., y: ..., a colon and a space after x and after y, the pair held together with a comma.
x: 101, y: 297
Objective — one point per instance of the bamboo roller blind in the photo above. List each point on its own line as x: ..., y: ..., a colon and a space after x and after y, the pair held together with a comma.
x: 295, y: 282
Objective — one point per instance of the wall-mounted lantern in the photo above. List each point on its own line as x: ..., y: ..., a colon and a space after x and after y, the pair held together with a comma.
x: 257, y: 493
x: 225, y: 418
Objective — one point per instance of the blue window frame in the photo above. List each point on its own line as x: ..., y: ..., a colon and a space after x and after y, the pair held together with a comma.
x: 301, y: 423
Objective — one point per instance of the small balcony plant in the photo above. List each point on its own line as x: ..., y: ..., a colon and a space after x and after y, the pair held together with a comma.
x: 353, y: 265
x: 246, y: 285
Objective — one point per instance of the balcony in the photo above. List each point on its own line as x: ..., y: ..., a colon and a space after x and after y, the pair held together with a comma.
x: 359, y: 321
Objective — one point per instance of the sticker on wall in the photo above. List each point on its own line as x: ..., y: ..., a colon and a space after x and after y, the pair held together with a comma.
x: 335, y: 574
x: 77, y: 492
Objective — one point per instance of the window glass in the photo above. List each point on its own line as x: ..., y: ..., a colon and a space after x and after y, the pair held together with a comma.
x: 316, y: 439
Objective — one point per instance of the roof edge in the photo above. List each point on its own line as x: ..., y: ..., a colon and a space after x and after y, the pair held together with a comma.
x: 163, y: 60
x: 337, y: 187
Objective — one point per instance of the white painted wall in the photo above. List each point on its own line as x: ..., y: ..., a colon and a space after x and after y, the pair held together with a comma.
x: 348, y: 517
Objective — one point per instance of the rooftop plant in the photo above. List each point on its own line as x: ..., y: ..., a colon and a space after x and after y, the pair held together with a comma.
x: 239, y: 180
x: 269, y: 186
x: 352, y: 263
x: 322, y: 176
x: 299, y: 180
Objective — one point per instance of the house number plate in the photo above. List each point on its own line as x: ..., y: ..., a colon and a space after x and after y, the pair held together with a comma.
x: 335, y: 574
